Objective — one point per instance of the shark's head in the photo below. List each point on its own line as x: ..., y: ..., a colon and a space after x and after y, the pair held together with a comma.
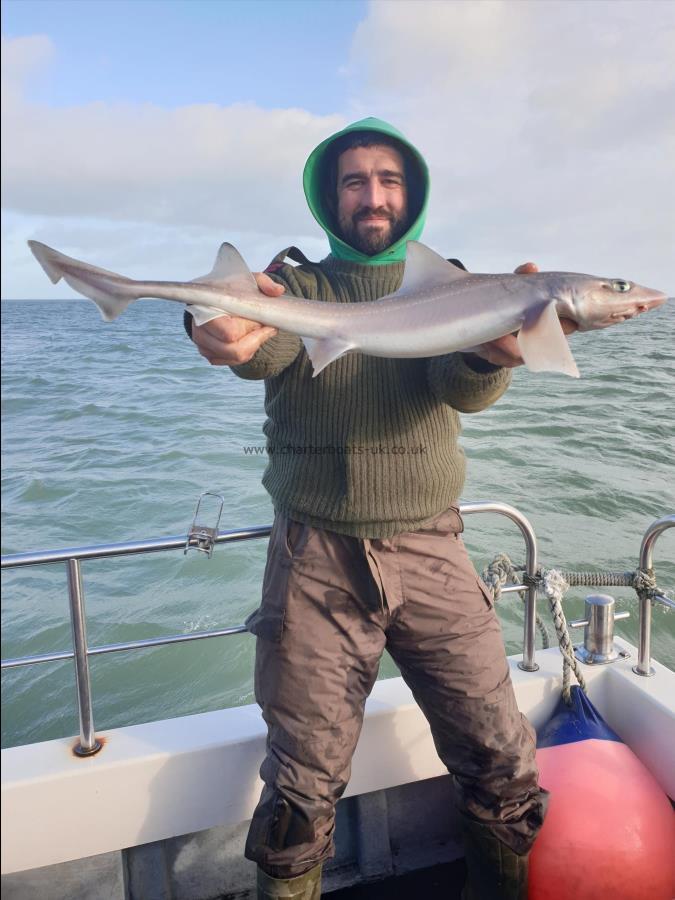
x: 599, y: 302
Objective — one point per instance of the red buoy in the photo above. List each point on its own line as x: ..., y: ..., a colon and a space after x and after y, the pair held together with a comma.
x: 610, y: 829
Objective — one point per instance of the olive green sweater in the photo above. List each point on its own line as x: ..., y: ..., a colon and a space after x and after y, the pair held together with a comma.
x: 368, y: 447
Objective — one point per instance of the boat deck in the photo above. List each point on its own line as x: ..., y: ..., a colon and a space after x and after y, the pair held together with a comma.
x: 442, y: 882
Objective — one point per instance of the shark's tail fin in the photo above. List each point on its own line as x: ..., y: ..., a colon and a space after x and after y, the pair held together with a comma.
x: 110, y: 292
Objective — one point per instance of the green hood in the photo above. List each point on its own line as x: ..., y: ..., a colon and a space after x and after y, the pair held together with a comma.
x: 314, y: 182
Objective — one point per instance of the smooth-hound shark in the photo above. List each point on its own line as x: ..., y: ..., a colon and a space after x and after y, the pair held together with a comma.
x: 438, y: 309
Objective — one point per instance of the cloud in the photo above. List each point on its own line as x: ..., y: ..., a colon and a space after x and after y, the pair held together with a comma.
x: 549, y: 127
x: 138, y: 184
x: 133, y: 248
x: 23, y: 57
x: 580, y: 65
x: 236, y: 166
x: 398, y: 44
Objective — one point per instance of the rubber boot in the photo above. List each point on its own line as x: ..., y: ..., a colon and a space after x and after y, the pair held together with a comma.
x: 494, y: 871
x: 303, y: 887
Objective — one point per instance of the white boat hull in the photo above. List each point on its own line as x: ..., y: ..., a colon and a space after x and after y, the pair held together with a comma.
x: 181, y: 776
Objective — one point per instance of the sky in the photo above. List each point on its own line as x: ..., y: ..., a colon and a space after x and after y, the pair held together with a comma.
x: 139, y: 135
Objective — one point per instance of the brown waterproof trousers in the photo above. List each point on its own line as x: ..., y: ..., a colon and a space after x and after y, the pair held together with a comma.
x: 331, y: 604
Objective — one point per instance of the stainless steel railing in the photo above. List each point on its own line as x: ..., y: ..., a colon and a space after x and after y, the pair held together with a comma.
x: 73, y: 558
x: 529, y: 631
x: 81, y: 652
x: 651, y: 535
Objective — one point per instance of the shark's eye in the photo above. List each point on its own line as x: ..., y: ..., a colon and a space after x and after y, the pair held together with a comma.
x: 621, y: 286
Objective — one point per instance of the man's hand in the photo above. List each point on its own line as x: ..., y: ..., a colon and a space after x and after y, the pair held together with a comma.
x: 504, y: 351
x: 231, y: 340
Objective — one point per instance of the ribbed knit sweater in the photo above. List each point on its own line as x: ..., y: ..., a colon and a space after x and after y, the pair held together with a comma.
x: 369, y: 447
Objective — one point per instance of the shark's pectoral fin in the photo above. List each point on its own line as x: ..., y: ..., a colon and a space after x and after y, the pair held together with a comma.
x: 543, y: 344
x: 204, y: 314
x: 323, y: 351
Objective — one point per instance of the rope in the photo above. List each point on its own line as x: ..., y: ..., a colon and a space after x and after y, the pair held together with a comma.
x: 502, y: 571
x: 599, y: 579
x: 644, y: 582
x: 555, y: 584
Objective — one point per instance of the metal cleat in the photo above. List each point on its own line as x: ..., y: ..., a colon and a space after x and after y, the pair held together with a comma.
x: 598, y: 647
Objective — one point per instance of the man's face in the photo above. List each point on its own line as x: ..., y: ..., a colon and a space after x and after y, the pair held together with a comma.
x: 372, y: 198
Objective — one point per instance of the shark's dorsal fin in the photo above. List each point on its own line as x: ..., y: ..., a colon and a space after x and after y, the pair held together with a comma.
x: 229, y: 268
x: 424, y: 268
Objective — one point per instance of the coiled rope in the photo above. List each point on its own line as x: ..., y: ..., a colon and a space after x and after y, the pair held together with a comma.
x: 554, y: 585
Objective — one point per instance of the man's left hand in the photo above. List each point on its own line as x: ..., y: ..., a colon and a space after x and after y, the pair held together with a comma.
x: 504, y: 350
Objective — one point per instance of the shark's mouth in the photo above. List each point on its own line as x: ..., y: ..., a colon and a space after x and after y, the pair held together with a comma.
x: 629, y: 312
x: 622, y: 314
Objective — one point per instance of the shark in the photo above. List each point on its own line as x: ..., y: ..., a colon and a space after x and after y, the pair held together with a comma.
x: 438, y: 309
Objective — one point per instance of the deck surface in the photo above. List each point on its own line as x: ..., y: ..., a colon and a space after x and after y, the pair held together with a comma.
x: 442, y: 882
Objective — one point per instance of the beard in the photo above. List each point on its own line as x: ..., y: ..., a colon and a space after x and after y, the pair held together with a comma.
x: 374, y: 239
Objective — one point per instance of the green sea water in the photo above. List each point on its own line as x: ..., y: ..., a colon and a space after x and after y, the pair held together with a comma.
x: 111, y: 432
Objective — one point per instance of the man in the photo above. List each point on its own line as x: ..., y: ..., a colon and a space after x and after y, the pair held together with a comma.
x: 364, y: 473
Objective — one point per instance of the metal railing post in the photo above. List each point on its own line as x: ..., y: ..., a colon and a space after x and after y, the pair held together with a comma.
x: 529, y: 634
x: 644, y: 666
x: 88, y: 744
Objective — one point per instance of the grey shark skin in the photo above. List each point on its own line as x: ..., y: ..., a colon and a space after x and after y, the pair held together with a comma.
x: 438, y: 309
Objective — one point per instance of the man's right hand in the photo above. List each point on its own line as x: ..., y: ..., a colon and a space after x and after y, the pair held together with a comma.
x: 230, y: 340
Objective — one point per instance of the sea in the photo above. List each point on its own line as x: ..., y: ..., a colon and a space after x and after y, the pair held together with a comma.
x: 110, y: 433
